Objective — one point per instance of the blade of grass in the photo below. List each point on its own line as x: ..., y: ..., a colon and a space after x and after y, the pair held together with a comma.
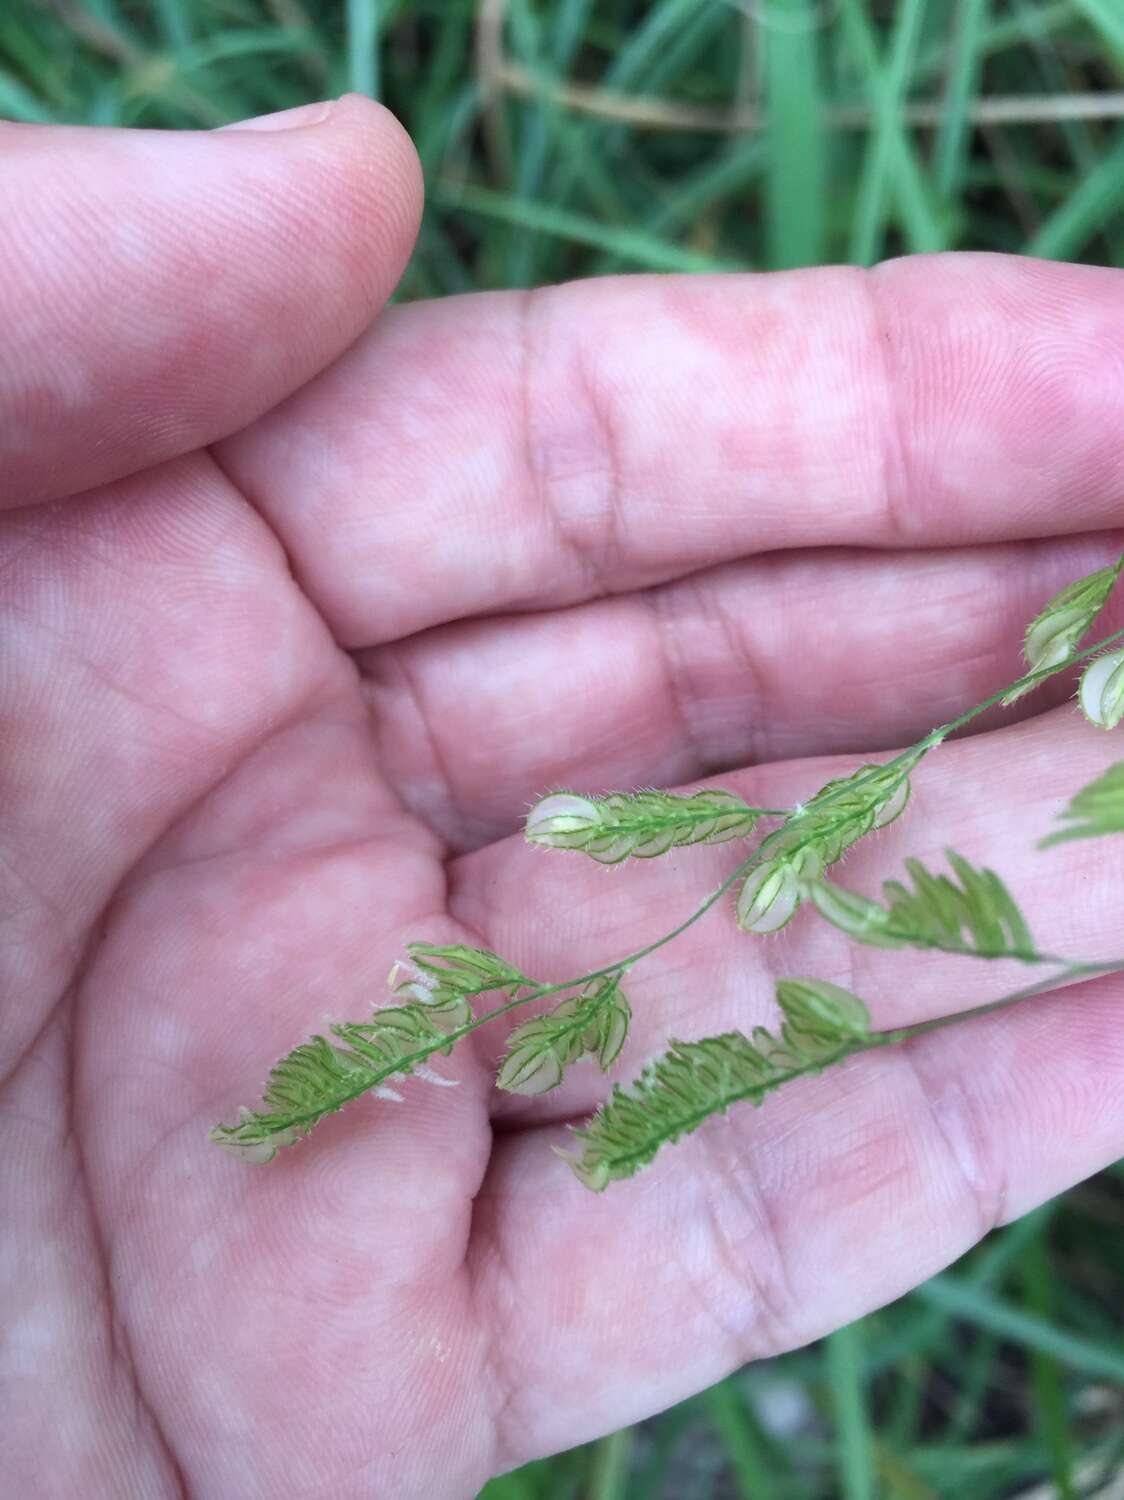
x: 954, y: 1295
x: 976, y: 1472
x: 19, y: 103
x: 846, y: 1371
x: 1000, y: 36
x: 1095, y: 199
x: 248, y: 42
x: 104, y: 13
x: 1045, y: 1377
x: 514, y: 124
x: 950, y: 153
x: 984, y: 1469
x: 1107, y: 17
x: 889, y: 141
x: 363, y: 47
x: 886, y: 89
x: 566, y: 32
x: 985, y: 1268
x: 1056, y: 77
x: 651, y: 51
x: 901, y: 1423
x: 752, y: 1468
x: 608, y: 1469
x: 450, y: 126
x: 729, y: 173
x: 900, y: 1479
x: 630, y: 244
x: 175, y: 22
x: 794, y: 173
x: 153, y: 85
x: 1086, y: 146
x: 447, y: 66
x: 974, y: 1372
x: 441, y: 259
x: 657, y: 47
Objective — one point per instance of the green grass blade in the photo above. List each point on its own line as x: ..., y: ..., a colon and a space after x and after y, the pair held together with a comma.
x: 441, y: 259
x: 1107, y: 16
x: 654, y: 48
x: 567, y: 29
x: 649, y: 55
x: 448, y: 126
x: 900, y: 1480
x: 846, y: 1370
x: 19, y: 103
x: 890, y: 145
x: 175, y: 22
x: 901, y: 1422
x: 1094, y: 200
x: 630, y: 245
x: 608, y: 1470
x: 886, y: 89
x: 1000, y: 36
x: 752, y: 1467
x: 726, y: 176
x: 241, y: 43
x: 988, y: 1264
x: 448, y: 66
x: 974, y: 1372
x: 950, y: 154
x: 1045, y: 1376
x: 363, y: 47
x: 955, y: 1295
x: 794, y: 175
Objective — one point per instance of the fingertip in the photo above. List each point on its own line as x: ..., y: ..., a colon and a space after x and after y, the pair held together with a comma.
x: 378, y: 150
x: 237, y: 264
x: 356, y: 184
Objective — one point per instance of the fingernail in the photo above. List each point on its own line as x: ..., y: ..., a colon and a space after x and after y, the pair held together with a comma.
x: 287, y: 119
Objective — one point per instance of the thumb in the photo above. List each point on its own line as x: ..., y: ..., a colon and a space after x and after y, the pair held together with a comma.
x: 158, y: 290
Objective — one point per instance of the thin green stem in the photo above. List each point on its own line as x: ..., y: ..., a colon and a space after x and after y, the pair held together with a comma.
x: 1071, y: 972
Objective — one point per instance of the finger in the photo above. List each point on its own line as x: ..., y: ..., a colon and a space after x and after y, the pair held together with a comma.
x: 160, y: 289
x: 153, y: 640
x: 555, y: 913
x: 512, y: 452
x: 773, y: 1227
x: 271, y: 907
x: 799, y: 654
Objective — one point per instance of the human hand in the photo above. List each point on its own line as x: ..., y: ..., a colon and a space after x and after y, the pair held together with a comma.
x: 273, y: 701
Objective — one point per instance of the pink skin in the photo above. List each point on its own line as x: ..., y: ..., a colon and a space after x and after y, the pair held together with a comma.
x: 271, y: 708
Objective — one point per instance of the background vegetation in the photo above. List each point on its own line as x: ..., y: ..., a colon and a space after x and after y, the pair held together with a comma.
x: 574, y: 137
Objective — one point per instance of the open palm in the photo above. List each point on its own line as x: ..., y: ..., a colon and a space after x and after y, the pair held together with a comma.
x: 273, y: 698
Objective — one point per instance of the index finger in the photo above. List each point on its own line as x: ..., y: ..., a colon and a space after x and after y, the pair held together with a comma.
x: 505, y: 451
